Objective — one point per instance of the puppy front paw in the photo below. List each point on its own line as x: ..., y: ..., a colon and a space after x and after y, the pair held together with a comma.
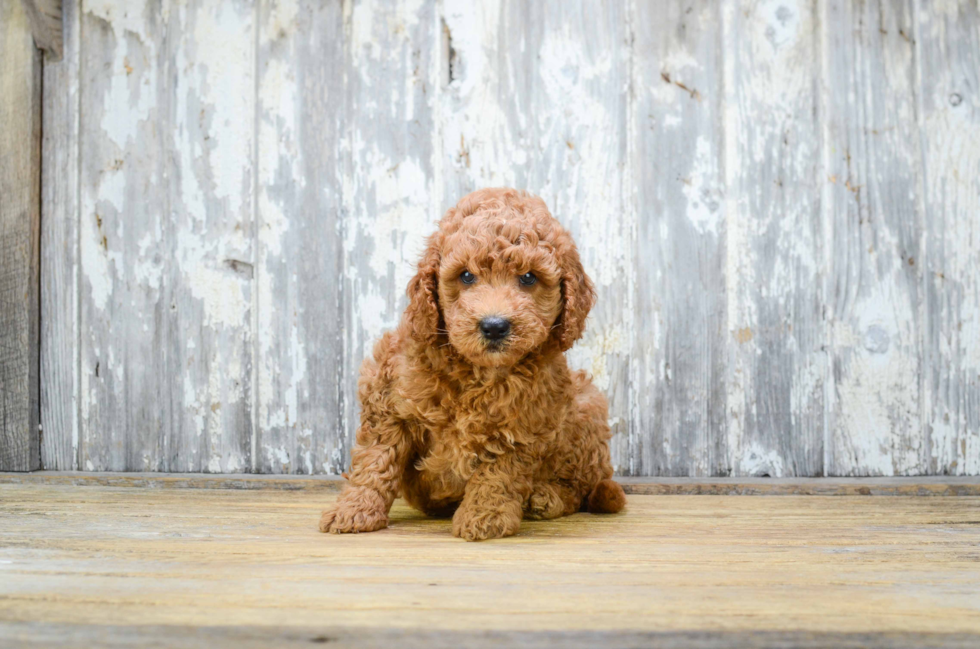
x: 354, y: 514
x: 344, y: 519
x: 475, y: 524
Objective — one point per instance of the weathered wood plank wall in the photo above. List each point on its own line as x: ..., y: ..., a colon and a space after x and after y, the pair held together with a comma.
x: 779, y: 202
x: 20, y: 236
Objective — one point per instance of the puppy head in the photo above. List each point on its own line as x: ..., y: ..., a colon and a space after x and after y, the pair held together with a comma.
x: 500, y: 278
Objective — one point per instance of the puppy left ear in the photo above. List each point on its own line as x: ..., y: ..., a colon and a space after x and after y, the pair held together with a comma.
x: 423, y: 294
x: 578, y: 295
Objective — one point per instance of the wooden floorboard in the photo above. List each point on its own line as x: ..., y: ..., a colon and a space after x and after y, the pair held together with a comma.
x: 246, y: 567
x: 648, y: 486
x: 17, y: 635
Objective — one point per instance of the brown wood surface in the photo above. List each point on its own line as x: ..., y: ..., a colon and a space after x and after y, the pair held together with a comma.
x: 248, y: 637
x: 20, y: 222
x: 221, y: 567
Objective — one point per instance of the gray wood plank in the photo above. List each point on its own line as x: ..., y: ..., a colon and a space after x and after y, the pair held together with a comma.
x: 947, y: 40
x: 680, y: 418
x: 482, y: 100
x: 873, y: 201
x: 17, y: 635
x: 20, y: 216
x: 299, y: 239
x: 773, y: 238
x: 211, y: 181
x: 165, y: 237
x: 390, y: 202
x: 59, y: 252
x: 126, y: 376
x: 576, y: 56
x: 545, y: 109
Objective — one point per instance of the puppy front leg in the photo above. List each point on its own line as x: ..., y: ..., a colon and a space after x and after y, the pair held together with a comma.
x: 377, y: 463
x: 494, y: 499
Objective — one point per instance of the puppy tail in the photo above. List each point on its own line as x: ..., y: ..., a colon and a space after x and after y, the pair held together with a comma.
x: 607, y: 497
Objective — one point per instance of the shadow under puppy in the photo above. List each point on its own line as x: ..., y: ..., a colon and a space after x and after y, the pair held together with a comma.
x: 468, y: 408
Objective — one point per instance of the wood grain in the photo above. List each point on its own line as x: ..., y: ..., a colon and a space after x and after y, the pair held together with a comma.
x: 947, y: 45
x: 774, y: 235
x: 20, y: 234
x: 299, y: 240
x: 210, y: 173
x: 167, y: 114
x: 28, y: 634
x: 100, y: 558
x: 59, y: 251
x: 126, y: 378
x: 680, y: 416
x: 874, y: 207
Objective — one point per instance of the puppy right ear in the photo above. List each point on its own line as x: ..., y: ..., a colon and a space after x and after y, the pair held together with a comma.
x: 423, y: 294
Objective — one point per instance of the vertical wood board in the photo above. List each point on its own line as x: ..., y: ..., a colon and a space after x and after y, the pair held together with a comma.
x: 164, y: 224
x: 947, y: 41
x: 20, y: 204
x: 59, y: 252
x: 298, y: 238
x: 773, y: 228
x: 680, y: 417
x: 389, y: 185
x: 873, y: 206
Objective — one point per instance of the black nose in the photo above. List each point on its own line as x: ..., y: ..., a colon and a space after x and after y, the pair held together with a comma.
x: 495, y: 327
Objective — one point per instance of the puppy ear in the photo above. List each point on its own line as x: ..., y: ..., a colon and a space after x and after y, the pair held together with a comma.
x: 579, y: 297
x: 423, y: 294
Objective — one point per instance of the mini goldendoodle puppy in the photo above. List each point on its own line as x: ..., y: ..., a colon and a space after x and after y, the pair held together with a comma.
x: 468, y: 408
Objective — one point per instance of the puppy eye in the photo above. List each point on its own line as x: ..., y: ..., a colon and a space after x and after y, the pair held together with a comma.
x: 527, y: 279
x: 467, y: 277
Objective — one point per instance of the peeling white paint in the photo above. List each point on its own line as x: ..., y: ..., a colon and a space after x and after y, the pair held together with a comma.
x: 594, y: 352
x: 410, y: 142
x: 220, y: 290
x: 758, y: 461
x: 95, y: 261
x: 705, y: 206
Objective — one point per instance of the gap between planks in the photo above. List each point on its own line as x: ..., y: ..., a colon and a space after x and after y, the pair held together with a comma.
x: 904, y: 486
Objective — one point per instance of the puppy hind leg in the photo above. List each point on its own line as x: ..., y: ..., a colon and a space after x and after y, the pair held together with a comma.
x: 607, y: 497
x: 594, y: 466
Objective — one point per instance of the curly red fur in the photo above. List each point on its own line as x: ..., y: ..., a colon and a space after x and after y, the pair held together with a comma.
x: 488, y: 431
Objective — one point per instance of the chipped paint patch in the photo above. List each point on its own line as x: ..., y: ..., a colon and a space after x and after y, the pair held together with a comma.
x: 597, y: 351
x: 755, y: 460
x: 704, y: 197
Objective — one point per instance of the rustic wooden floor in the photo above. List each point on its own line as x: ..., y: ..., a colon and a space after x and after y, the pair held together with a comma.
x: 89, y: 565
